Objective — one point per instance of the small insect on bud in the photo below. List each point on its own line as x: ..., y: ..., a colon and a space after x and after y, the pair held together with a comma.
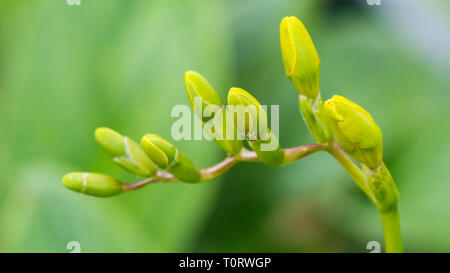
x: 355, y: 131
x: 300, y: 58
x: 92, y: 184
x: 125, y: 152
x: 166, y: 156
x: 253, y: 120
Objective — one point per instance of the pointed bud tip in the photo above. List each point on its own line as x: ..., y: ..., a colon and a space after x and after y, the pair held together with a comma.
x: 111, y: 141
x: 197, y: 86
x: 238, y: 96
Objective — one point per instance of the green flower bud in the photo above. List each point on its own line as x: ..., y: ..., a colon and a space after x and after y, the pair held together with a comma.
x: 300, y: 58
x: 92, y: 184
x: 159, y: 150
x: 382, y: 187
x: 125, y: 152
x: 255, y: 116
x: 198, y: 87
x: 261, y: 139
x: 184, y: 169
x: 111, y: 141
x: 166, y: 156
x: 355, y: 131
x: 268, y: 155
x: 315, y: 118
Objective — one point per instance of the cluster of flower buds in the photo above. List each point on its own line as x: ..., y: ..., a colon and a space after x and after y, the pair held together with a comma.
x: 144, y: 161
x: 157, y: 153
x: 338, y: 119
x: 338, y: 125
x: 242, y: 109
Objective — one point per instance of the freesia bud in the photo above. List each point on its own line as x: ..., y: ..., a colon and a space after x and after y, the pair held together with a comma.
x: 92, y: 184
x: 166, y: 156
x: 300, y: 58
x: 255, y: 116
x: 198, y: 87
x: 254, y: 119
x: 125, y: 152
x: 159, y: 150
x: 355, y: 131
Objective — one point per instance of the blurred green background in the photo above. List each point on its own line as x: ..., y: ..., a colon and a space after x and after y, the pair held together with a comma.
x: 65, y: 70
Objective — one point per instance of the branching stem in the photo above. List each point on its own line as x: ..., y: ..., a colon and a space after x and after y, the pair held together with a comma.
x: 291, y: 155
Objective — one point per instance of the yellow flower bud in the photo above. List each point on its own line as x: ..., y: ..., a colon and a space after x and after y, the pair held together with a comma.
x: 260, y: 138
x: 255, y: 116
x: 300, y: 58
x: 92, y: 184
x: 197, y: 86
x: 355, y: 131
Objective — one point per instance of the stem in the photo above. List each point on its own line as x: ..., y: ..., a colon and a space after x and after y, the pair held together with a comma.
x: 218, y: 169
x: 296, y: 153
x: 392, y: 232
x: 352, y: 169
x: 390, y: 219
x: 158, y: 177
x: 291, y: 155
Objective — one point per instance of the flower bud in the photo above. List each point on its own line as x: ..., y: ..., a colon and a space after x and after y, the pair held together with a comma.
x: 125, y: 152
x: 382, y: 187
x: 355, y: 131
x: 198, y: 87
x: 166, y: 156
x: 254, y: 119
x: 159, y: 150
x: 92, y: 184
x: 300, y: 58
